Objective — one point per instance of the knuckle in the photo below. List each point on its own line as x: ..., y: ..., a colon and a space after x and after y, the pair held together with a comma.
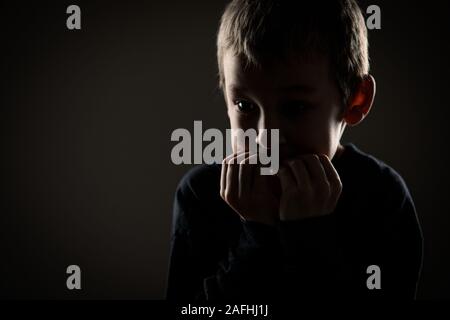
x: 307, y: 193
x: 229, y: 196
x: 326, y: 189
x: 337, y: 188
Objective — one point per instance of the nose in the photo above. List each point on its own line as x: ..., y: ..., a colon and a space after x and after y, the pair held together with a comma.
x: 267, y: 123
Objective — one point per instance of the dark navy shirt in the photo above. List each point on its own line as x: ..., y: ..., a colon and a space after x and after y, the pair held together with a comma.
x: 217, y: 256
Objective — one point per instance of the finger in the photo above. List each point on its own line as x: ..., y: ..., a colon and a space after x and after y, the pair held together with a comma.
x: 330, y: 171
x: 223, y: 176
x: 287, y: 180
x: 333, y: 178
x: 232, y: 179
x: 301, y: 175
x: 318, y: 177
x: 315, y: 169
x: 246, y: 175
x: 231, y: 159
x: 236, y: 170
x: 242, y: 156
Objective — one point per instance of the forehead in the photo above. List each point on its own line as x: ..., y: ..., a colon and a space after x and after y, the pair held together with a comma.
x: 309, y: 71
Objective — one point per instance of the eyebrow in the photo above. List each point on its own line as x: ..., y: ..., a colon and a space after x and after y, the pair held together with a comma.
x: 291, y: 88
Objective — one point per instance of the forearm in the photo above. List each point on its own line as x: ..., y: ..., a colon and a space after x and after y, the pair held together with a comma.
x: 247, y: 271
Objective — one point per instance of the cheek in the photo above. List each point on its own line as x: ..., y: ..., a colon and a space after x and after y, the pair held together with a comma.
x: 234, y: 120
x: 329, y: 138
x: 238, y: 121
x: 316, y: 135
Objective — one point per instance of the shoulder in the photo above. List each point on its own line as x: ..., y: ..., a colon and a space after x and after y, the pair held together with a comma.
x: 200, y: 181
x: 376, y: 193
x: 379, y: 177
x: 198, y: 207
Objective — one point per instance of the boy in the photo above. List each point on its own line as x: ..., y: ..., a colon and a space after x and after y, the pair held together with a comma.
x: 344, y: 227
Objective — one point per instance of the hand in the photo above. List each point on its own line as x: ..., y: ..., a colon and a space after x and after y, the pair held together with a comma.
x: 252, y: 195
x: 310, y: 187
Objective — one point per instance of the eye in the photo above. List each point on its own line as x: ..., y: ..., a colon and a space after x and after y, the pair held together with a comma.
x: 244, y: 106
x: 294, y: 108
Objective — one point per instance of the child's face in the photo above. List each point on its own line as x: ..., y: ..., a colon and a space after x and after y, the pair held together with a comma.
x: 298, y: 98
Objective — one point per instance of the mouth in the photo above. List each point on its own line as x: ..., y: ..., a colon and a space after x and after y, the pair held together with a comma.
x: 290, y: 154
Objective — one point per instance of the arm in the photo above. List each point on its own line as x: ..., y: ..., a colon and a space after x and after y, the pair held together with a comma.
x: 310, y: 187
x: 390, y: 238
x: 314, y: 264
x: 250, y: 271
x: 246, y: 271
x: 401, y: 249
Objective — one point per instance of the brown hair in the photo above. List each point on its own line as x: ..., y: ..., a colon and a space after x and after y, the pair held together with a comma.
x: 258, y: 29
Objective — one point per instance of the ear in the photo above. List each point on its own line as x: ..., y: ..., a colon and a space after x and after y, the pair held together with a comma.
x: 360, y: 101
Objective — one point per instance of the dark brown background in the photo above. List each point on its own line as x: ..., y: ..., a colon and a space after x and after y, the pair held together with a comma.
x: 86, y: 118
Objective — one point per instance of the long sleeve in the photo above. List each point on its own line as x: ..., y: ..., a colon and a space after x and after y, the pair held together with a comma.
x: 324, y: 257
x: 251, y: 269
x: 216, y: 256
x: 313, y: 262
x: 402, y: 249
x: 246, y: 269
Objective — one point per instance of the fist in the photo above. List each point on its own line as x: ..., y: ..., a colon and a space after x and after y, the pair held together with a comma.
x: 253, y: 196
x: 310, y: 187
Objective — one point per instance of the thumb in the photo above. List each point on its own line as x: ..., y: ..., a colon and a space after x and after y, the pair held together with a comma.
x: 287, y: 180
